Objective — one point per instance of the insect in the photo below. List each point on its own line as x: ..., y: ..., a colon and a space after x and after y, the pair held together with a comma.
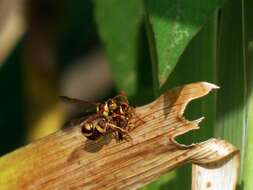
x: 110, y: 117
x: 95, y: 128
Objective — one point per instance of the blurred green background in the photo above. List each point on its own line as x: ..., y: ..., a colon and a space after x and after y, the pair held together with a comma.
x: 93, y: 49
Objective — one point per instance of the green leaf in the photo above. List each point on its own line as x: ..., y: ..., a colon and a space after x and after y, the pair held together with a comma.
x: 198, y: 63
x: 231, y: 71
x: 119, y: 23
x: 248, y: 164
x: 175, y: 23
x: 248, y: 45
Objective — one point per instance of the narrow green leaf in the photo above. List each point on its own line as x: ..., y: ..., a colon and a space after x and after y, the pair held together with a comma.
x: 175, y: 23
x: 231, y: 98
x: 248, y: 45
x: 248, y: 163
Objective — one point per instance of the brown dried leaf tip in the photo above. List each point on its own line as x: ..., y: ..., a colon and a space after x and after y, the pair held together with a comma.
x: 165, y: 114
x: 67, y: 160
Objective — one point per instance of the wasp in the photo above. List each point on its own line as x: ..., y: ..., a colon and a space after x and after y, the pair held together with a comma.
x: 109, y: 117
x: 95, y: 128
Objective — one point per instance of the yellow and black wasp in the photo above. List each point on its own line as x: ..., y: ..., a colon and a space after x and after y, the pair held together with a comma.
x: 112, y: 116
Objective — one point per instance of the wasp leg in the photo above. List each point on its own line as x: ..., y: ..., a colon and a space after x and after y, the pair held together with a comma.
x: 117, y: 135
x: 138, y: 117
x: 122, y: 131
x: 130, y: 126
x: 128, y: 137
x: 112, y: 126
x: 139, y: 121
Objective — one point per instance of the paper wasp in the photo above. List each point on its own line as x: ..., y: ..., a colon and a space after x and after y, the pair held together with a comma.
x: 112, y: 116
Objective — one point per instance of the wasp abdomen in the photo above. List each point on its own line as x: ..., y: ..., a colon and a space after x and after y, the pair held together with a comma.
x: 86, y: 129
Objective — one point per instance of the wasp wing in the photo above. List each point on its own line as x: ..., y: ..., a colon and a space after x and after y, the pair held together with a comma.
x: 74, y: 122
x: 67, y: 99
x: 78, y: 108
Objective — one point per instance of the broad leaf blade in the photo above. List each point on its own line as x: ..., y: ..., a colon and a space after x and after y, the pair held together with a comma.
x: 175, y: 23
x: 119, y: 23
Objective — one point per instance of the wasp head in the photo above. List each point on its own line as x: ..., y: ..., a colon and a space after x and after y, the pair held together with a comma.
x: 123, y: 109
x: 112, y: 104
x: 121, y: 99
